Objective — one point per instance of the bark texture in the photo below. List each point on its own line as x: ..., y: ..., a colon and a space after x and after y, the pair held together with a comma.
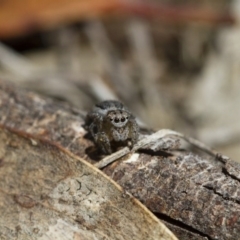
x: 197, y: 196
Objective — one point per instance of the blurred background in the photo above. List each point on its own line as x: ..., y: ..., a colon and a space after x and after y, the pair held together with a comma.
x: 174, y: 63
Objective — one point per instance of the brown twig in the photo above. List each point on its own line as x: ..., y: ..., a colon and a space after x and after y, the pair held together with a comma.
x: 148, y: 140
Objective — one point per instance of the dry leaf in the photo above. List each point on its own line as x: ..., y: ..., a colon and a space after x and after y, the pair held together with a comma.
x: 49, y: 193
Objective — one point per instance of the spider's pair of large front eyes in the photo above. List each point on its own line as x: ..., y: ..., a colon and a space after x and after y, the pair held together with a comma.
x: 117, y: 120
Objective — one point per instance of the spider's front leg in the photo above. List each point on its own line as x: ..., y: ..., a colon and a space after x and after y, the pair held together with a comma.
x: 103, y: 142
x: 100, y: 138
x: 134, y: 132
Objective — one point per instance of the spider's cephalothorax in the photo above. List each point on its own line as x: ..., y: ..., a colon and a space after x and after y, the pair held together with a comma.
x: 109, y: 123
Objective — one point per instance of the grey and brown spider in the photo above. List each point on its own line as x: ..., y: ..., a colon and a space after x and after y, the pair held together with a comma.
x: 110, y: 123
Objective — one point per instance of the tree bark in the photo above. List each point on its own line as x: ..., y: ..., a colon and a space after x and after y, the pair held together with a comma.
x: 195, y: 195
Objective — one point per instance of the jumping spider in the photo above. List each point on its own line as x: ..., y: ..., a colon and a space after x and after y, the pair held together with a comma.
x: 111, y: 124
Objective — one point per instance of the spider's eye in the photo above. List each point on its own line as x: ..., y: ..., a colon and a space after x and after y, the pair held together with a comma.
x: 116, y: 120
x: 123, y: 119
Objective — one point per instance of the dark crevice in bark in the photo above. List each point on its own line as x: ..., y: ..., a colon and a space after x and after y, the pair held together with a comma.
x: 222, y: 196
x: 182, y: 225
x: 225, y: 172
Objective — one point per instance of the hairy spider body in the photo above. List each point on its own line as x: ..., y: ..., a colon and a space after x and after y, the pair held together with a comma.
x: 111, y: 123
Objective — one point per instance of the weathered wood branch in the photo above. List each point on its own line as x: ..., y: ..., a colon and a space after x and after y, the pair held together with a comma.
x: 195, y: 194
